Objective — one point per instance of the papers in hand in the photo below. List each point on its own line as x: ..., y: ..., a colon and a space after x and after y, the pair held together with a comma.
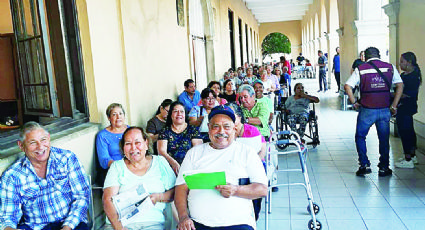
x: 204, y: 180
x: 131, y: 202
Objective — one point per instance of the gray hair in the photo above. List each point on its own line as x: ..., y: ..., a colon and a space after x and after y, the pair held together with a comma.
x: 248, y: 88
x: 28, y: 127
x: 112, y: 106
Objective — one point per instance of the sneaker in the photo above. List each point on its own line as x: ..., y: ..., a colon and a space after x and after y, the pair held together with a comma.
x: 275, y: 189
x: 319, y: 90
x: 363, y: 170
x: 405, y: 164
x: 414, y: 159
x: 385, y: 172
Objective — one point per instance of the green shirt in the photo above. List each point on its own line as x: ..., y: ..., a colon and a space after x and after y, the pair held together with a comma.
x: 261, y: 111
x: 268, y: 102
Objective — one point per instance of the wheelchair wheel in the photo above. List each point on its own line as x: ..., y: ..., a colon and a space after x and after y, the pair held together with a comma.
x: 279, y: 122
x: 280, y: 126
x: 314, y: 131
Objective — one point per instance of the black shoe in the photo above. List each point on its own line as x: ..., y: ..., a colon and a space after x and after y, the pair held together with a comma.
x: 319, y: 90
x: 385, y: 172
x: 363, y: 170
x: 275, y: 189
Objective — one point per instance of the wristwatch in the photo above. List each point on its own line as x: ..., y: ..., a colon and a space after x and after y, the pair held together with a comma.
x: 246, y: 120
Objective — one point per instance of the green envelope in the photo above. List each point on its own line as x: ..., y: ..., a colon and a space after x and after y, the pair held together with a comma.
x: 205, y: 180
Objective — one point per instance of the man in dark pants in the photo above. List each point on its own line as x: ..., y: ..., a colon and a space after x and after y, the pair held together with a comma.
x: 337, y: 69
x: 374, y: 107
x: 322, y: 62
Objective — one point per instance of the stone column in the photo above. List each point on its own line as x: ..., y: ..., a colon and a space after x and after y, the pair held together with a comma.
x: 392, y: 10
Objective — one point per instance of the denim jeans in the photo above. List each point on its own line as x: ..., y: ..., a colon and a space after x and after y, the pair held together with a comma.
x: 365, y: 119
x: 406, y: 130
x: 322, y: 79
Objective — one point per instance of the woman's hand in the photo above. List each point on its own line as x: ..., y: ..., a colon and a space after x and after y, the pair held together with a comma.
x: 156, y: 197
x: 176, y: 167
x: 185, y: 223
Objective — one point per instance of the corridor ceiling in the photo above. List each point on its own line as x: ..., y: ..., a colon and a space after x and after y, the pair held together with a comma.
x: 278, y: 10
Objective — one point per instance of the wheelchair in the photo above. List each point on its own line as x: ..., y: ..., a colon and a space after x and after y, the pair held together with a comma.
x: 312, y: 128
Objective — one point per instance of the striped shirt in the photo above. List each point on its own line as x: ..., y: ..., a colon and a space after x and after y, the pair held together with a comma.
x: 63, y: 196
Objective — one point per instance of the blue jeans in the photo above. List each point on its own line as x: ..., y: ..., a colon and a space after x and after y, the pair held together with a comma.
x: 322, y: 79
x: 365, y: 119
x: 406, y: 130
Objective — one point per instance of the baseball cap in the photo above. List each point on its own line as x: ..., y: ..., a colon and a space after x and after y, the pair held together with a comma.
x: 222, y: 109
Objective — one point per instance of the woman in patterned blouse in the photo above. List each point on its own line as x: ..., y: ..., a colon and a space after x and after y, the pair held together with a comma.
x: 177, y: 137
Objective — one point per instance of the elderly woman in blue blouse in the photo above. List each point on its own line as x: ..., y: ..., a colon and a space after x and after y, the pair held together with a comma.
x: 107, y: 140
x: 139, y: 167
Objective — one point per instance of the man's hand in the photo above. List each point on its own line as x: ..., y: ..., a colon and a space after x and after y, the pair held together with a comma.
x: 356, y: 105
x: 66, y: 227
x: 185, y: 223
x: 227, y: 190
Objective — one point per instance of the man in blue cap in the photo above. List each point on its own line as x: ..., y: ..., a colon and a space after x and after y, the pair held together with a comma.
x: 227, y: 206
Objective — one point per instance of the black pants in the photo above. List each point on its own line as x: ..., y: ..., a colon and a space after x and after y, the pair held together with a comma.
x: 55, y: 226
x: 200, y: 226
x: 406, y: 130
x: 257, y: 207
x: 338, y: 79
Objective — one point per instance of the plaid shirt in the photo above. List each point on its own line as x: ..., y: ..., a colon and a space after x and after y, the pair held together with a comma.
x: 63, y: 196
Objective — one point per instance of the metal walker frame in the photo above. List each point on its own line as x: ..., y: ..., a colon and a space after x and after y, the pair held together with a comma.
x: 301, y: 150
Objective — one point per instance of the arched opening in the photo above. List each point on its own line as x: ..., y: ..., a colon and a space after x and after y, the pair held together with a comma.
x: 275, y: 45
x: 372, y: 27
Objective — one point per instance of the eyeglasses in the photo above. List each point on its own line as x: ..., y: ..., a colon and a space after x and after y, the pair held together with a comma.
x: 166, y: 110
x: 210, y: 98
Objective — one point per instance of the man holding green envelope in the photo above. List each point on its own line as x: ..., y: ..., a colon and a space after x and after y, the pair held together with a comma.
x: 218, y: 180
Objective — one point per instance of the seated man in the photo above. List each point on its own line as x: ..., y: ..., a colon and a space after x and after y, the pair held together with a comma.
x: 256, y: 112
x: 297, y: 107
x: 228, y: 206
x: 190, y: 96
x: 45, y: 189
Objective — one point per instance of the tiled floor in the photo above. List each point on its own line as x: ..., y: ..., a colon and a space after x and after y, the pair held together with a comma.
x: 347, y: 201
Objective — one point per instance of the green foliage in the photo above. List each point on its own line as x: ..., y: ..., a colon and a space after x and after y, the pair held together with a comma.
x: 275, y: 43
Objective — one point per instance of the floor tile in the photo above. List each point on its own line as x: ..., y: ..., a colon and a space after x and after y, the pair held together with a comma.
x: 385, y: 224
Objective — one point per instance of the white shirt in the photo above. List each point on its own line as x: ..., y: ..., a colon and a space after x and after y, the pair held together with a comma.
x: 209, y: 207
x: 355, y: 77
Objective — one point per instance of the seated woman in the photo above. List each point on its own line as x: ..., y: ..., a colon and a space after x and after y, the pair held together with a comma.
x: 177, y: 137
x: 158, y: 122
x: 228, y: 91
x: 107, y: 147
x: 297, y: 108
x: 138, y: 167
x: 216, y: 87
x: 268, y: 85
x: 198, y: 115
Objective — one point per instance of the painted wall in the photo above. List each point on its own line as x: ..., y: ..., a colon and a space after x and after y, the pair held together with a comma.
x: 6, y: 25
x: 411, y: 39
x: 138, y: 50
x: 222, y: 37
x: 292, y: 29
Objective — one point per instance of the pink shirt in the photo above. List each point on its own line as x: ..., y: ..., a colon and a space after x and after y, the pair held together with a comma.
x: 252, y: 131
